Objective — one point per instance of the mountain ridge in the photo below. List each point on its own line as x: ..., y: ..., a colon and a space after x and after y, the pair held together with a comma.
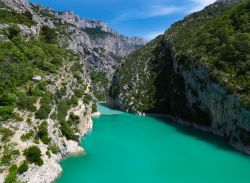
x: 197, y: 72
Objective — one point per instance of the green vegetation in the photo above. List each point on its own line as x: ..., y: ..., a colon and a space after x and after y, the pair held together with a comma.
x: 20, y: 61
x: 33, y: 155
x: 218, y: 37
x: 24, y: 166
x: 5, y: 134
x: 27, y: 136
x: 95, y: 33
x: 9, y: 154
x: 69, y: 127
x: 43, y: 133
x: 73, y: 119
x: 87, y: 98
x: 45, y: 108
x: 8, y: 16
x: 99, y: 80
x: 221, y: 40
x: 12, y: 175
x: 94, y: 108
x: 54, y: 148
x: 26, y: 102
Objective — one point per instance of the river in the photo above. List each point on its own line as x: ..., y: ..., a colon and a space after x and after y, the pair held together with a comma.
x: 126, y: 148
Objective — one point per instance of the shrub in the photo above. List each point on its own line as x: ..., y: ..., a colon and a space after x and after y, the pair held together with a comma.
x: 27, y: 135
x: 33, y: 155
x: 79, y: 93
x: 43, y: 112
x: 54, y: 148
x: 12, y: 175
x: 6, y: 134
x: 87, y: 98
x: 45, y: 108
x: 67, y: 131
x: 43, y: 133
x: 7, y: 99
x: 6, y: 112
x: 73, y: 119
x: 24, y: 166
x: 7, y: 16
x: 13, y: 31
x: 94, y: 108
x: 9, y: 154
x: 26, y: 102
x: 48, y: 34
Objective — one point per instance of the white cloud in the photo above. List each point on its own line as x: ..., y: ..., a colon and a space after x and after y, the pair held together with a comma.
x: 161, y: 11
x: 198, y: 5
x: 154, y: 11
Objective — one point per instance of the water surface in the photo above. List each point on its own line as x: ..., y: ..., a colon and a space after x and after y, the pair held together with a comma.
x: 126, y: 148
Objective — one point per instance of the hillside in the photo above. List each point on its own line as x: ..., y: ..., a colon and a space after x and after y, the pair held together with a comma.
x: 52, y: 72
x: 197, y: 72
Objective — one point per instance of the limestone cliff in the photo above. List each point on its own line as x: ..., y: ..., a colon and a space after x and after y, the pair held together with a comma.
x: 52, y: 72
x: 196, y: 72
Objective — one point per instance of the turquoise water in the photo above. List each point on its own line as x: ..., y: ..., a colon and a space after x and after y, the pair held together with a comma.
x: 126, y: 148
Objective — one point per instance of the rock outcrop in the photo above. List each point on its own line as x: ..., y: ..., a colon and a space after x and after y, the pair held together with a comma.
x: 181, y: 75
x: 68, y: 82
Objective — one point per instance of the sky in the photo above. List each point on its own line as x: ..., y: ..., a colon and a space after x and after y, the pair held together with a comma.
x: 143, y: 18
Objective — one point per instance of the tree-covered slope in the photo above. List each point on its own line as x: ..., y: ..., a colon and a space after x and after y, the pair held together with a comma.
x: 52, y: 72
x: 198, y: 71
x: 219, y: 37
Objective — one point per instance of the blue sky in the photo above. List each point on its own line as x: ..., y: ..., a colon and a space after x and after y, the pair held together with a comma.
x: 143, y: 18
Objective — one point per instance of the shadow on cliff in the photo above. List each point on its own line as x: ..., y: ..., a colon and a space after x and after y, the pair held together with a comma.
x: 204, y: 136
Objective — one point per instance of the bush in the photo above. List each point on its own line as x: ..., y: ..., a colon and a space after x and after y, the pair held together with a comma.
x: 79, y: 93
x: 54, y: 149
x: 43, y: 133
x: 12, y: 175
x: 26, y: 102
x: 33, y: 155
x: 94, y: 108
x: 48, y: 34
x: 87, y: 99
x: 6, y: 134
x: 45, y: 108
x: 9, y: 154
x: 67, y: 131
x: 7, y: 16
x: 42, y: 113
x: 73, y: 119
x: 24, y: 166
x: 27, y: 136
x: 6, y: 112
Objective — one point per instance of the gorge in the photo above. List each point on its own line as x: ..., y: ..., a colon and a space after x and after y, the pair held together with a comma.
x: 188, y: 90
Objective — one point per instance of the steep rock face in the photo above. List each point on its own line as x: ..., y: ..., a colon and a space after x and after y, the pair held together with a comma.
x: 102, y: 35
x: 51, y: 73
x: 18, y: 5
x: 100, y: 47
x: 221, y: 111
x: 187, y: 73
x: 71, y: 18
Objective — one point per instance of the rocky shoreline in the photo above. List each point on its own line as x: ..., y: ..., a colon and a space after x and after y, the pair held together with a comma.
x: 52, y: 169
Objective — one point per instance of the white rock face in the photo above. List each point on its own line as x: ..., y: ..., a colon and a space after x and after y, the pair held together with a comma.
x: 18, y: 5
x: 37, y: 78
x: 229, y: 117
x: 71, y: 18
